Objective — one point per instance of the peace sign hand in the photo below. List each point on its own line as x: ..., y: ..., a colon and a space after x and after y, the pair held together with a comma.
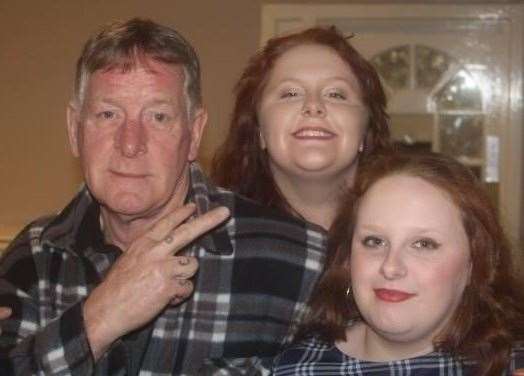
x: 146, y: 277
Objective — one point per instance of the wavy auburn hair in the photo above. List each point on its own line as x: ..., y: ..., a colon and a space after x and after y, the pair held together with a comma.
x: 240, y: 164
x: 490, y: 316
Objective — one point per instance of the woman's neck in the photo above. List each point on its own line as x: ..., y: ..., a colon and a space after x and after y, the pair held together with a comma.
x: 315, y: 201
x: 365, y: 344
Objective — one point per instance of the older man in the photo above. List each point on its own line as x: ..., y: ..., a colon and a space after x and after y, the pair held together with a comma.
x: 108, y: 286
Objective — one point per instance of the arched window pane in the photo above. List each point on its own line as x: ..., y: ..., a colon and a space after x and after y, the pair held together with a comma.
x: 459, y: 93
x: 461, y: 135
x: 393, y: 66
x: 430, y: 65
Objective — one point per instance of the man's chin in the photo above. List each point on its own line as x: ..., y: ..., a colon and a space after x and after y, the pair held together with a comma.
x: 128, y: 207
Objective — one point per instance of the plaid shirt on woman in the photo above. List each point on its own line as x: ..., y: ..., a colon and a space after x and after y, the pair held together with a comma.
x: 255, y: 275
x: 314, y: 357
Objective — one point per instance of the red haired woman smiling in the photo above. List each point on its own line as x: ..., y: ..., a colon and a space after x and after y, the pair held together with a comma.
x: 308, y: 108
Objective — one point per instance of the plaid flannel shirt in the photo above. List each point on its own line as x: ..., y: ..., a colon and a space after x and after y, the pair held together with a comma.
x: 255, y: 275
x: 316, y: 357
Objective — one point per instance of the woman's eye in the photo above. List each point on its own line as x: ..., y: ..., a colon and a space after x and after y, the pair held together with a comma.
x: 336, y: 95
x: 426, y: 244
x: 373, y: 242
x: 289, y: 94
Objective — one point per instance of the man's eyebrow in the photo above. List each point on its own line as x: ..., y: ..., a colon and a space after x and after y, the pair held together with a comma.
x: 101, y: 99
x: 159, y: 101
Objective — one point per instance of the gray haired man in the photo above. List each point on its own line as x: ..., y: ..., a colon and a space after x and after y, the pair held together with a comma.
x: 150, y: 269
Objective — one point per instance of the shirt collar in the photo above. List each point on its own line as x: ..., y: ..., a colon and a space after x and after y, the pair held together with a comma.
x: 206, y: 196
x: 77, y: 227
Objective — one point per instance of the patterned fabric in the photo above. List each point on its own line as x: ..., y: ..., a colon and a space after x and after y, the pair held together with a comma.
x: 314, y: 357
x: 255, y: 274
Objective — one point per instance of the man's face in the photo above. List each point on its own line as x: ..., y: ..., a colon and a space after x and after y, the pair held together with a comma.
x: 135, y: 138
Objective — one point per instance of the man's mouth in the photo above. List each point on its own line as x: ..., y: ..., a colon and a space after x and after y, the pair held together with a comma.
x: 130, y: 175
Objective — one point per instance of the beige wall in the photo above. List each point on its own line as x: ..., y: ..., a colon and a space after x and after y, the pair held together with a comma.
x: 39, y: 43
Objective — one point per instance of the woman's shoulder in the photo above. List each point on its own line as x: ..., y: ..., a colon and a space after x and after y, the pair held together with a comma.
x: 313, y: 354
x: 309, y: 344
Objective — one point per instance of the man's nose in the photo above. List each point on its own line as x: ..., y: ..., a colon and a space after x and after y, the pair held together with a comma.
x: 313, y: 106
x: 131, y: 139
x: 393, y: 266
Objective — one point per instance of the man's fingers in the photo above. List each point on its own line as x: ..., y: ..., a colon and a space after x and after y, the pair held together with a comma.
x: 189, y: 231
x: 181, y: 292
x: 181, y: 289
x: 164, y: 226
x: 184, y: 267
x: 5, y: 312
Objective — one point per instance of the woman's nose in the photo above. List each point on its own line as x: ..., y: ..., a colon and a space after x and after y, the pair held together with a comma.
x: 393, y: 266
x: 313, y: 106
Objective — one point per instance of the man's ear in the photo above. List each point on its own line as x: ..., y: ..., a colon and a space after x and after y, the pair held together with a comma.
x: 73, y: 127
x: 198, y: 124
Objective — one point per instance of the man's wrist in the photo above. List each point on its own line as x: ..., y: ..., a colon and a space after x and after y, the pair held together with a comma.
x: 98, y: 333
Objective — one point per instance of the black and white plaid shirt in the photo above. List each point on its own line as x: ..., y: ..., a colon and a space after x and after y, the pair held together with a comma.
x: 256, y: 273
x: 316, y: 357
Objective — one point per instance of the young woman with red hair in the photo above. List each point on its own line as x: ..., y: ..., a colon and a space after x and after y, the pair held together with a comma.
x: 419, y: 279
x: 308, y: 108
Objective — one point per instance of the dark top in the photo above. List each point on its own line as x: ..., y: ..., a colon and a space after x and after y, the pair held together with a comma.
x: 315, y: 357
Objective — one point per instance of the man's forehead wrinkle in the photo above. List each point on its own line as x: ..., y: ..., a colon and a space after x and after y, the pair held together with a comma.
x: 148, y: 66
x: 152, y: 65
x: 127, y: 65
x: 107, y: 87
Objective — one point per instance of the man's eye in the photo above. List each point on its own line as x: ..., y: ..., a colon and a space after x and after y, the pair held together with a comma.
x: 106, y: 115
x: 373, y: 242
x: 160, y: 117
x: 426, y: 244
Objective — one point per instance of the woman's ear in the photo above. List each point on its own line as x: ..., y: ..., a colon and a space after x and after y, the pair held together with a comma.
x: 261, y: 140
x: 346, y: 265
x: 470, y: 272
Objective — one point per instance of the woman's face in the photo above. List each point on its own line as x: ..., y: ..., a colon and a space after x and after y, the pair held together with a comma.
x: 410, y: 260
x: 311, y: 115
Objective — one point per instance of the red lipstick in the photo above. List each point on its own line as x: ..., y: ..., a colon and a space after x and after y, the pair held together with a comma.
x: 392, y: 296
